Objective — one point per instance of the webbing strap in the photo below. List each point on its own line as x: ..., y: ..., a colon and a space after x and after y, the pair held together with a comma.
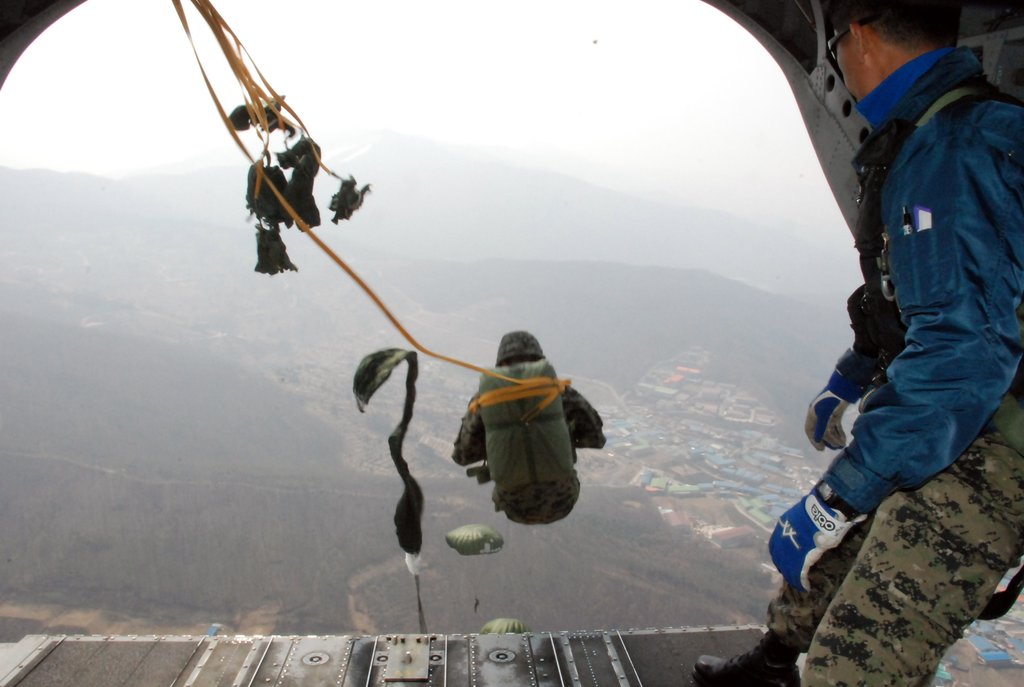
x: 949, y: 98
x: 549, y: 388
x: 419, y: 607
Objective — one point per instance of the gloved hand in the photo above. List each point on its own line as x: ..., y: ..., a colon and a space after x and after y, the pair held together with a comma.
x: 824, y: 423
x: 804, y: 533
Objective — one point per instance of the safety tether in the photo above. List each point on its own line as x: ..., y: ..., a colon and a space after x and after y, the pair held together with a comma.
x: 257, y: 97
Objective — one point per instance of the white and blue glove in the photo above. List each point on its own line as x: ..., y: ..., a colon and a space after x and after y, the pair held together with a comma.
x: 824, y: 423
x: 804, y: 533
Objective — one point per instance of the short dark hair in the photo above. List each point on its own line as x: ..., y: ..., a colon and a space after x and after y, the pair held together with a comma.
x: 909, y: 24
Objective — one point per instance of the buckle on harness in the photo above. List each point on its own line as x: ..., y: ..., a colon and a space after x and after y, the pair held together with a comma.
x: 888, y: 290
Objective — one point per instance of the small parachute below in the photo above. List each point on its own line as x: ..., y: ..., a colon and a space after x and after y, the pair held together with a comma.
x: 504, y: 626
x: 475, y: 540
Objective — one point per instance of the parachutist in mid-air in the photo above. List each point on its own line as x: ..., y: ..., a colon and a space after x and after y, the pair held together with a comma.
x: 531, y: 458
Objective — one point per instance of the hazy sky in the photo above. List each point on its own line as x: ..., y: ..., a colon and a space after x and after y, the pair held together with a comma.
x: 668, y: 96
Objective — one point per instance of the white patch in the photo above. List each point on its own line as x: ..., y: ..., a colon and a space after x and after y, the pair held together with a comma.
x: 413, y: 562
x: 922, y: 218
x: 789, y: 533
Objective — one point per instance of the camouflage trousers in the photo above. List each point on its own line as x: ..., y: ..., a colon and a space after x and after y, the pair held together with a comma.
x: 887, y: 603
x: 538, y: 503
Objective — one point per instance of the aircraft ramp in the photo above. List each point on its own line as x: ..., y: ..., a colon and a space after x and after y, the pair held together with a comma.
x: 626, y: 658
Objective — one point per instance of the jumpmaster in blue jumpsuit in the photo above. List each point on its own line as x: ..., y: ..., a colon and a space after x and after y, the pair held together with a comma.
x: 953, y: 208
x: 936, y: 461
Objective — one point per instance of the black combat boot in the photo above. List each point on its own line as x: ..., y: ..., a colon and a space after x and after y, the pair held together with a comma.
x: 770, y: 664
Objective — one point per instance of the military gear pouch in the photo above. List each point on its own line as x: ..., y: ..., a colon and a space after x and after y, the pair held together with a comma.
x: 877, y: 330
x: 481, y: 472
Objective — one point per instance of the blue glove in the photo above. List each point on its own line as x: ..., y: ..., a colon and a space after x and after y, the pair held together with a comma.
x: 824, y: 423
x: 804, y: 533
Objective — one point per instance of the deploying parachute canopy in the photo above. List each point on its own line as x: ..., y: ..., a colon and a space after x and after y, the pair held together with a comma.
x: 373, y: 371
x: 504, y: 626
x: 474, y: 540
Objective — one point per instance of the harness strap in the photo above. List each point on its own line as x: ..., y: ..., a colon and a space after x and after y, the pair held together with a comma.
x: 951, y: 97
x: 549, y: 388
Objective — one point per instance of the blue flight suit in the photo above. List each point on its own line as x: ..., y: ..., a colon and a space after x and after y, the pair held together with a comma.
x: 944, y: 485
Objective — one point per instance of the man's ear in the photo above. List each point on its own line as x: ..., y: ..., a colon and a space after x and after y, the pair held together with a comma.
x: 862, y: 38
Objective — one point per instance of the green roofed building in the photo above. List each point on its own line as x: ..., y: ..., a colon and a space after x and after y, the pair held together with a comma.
x: 683, y: 489
x: 660, y: 483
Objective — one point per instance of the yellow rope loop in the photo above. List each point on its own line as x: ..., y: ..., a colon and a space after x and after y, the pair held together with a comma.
x: 548, y: 387
x: 255, y: 96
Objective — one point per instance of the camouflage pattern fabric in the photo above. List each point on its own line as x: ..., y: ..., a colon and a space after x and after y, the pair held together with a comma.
x: 585, y: 426
x: 532, y: 503
x: 539, y: 503
x: 793, y: 615
x: 471, y: 441
x: 899, y: 591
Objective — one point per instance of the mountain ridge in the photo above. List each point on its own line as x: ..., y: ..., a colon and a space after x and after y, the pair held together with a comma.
x: 441, y: 201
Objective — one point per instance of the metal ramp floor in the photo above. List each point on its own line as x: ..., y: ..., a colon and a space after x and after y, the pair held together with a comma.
x: 612, y: 658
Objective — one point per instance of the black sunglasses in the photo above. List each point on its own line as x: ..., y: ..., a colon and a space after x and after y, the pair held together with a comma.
x: 840, y: 35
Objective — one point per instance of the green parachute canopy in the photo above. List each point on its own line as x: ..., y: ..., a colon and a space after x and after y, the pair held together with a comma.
x: 474, y: 540
x: 504, y: 626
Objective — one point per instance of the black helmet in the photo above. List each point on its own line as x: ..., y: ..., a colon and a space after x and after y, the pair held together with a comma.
x: 518, y: 347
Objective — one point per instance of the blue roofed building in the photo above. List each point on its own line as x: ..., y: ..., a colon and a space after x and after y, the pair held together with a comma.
x: 990, y: 654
